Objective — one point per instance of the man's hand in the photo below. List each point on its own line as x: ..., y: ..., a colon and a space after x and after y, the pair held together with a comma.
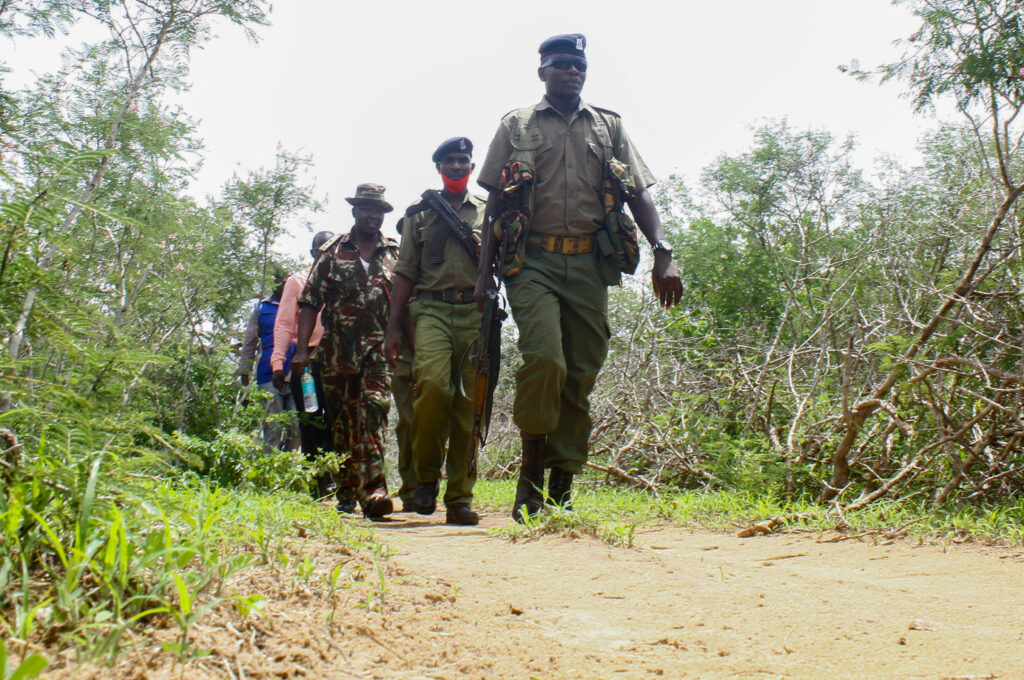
x: 668, y: 287
x: 484, y: 283
x: 300, y: 359
x: 244, y: 378
x: 392, y: 343
x: 278, y: 379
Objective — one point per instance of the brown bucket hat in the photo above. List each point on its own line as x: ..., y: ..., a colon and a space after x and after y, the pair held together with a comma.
x: 370, y: 194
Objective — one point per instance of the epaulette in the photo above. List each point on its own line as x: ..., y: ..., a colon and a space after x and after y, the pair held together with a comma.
x: 416, y: 208
x: 330, y: 243
x: 602, y: 110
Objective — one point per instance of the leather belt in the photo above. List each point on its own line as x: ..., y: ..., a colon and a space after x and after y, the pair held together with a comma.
x: 567, y: 245
x: 453, y: 296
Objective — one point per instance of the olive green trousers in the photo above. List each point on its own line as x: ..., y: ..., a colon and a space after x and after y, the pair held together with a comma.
x: 561, y: 309
x: 442, y: 417
x: 401, y: 389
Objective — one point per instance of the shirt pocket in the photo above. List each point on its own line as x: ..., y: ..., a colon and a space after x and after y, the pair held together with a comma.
x: 529, y: 147
x: 344, y: 280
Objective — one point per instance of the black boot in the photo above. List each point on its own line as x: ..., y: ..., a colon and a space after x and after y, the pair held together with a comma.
x: 424, y: 498
x: 325, y: 486
x: 559, y: 488
x: 530, y: 491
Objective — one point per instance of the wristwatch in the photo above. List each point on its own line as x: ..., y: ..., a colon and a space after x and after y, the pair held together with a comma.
x: 664, y: 246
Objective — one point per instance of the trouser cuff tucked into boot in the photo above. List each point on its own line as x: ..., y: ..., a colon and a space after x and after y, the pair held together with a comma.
x: 530, y: 490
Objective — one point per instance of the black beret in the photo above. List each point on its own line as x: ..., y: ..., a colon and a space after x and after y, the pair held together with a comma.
x: 453, y: 145
x: 570, y: 43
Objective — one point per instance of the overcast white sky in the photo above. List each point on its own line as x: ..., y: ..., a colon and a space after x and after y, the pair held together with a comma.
x: 371, y: 88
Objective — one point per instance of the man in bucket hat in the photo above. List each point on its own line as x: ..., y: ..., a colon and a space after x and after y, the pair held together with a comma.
x: 559, y: 173
x: 351, y: 283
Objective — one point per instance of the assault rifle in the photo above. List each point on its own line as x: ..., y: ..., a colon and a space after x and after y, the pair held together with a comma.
x: 456, y: 225
x: 487, y: 362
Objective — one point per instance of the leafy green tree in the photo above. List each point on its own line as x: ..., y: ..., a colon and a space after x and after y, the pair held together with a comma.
x: 139, y: 35
x: 268, y: 198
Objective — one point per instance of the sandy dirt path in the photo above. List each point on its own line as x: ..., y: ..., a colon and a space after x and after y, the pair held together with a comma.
x: 457, y: 602
x: 690, y: 604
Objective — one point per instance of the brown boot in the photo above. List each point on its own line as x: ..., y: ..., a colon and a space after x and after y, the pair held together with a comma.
x: 530, y: 490
x: 461, y: 513
x: 377, y: 504
x: 560, y: 487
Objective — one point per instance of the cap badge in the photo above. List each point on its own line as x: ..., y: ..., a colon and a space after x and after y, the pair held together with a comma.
x: 579, y: 43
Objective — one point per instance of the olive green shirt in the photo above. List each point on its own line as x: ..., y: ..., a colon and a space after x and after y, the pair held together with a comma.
x: 569, y: 165
x: 458, y: 268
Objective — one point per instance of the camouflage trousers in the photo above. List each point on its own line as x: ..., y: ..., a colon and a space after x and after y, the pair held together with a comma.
x: 358, y: 405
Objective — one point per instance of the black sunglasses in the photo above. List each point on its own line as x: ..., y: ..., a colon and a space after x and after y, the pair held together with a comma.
x: 565, y: 63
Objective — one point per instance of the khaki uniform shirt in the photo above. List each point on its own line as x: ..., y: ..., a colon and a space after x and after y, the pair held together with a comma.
x: 458, y: 268
x: 354, y: 302
x: 569, y: 166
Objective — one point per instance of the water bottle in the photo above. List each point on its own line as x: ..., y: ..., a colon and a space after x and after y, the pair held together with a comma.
x: 309, y: 400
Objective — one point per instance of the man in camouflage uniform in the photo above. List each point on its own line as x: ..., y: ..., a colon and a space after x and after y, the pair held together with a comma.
x: 438, y: 269
x: 555, y: 263
x: 351, y: 283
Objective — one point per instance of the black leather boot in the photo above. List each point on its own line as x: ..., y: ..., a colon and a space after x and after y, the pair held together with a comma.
x: 530, y: 490
x: 559, y: 488
x: 424, y: 498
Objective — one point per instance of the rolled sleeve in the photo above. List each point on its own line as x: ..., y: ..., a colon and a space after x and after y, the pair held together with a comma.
x: 284, y: 324
x: 627, y: 153
x: 408, y: 264
x: 498, y: 154
x: 247, y: 354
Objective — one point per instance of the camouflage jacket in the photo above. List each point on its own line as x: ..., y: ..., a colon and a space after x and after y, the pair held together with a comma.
x: 354, y: 302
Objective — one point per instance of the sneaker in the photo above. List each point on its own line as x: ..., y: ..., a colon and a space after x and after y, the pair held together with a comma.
x: 461, y: 513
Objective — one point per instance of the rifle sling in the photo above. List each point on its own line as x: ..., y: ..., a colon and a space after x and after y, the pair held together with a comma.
x: 455, y: 225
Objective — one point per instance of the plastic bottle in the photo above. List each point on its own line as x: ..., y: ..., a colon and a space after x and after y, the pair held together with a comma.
x: 309, y: 400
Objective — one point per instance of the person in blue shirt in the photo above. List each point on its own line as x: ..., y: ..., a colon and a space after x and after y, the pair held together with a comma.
x: 259, y: 343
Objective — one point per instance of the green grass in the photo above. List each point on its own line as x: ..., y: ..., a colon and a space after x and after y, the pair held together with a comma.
x: 613, y: 514
x: 79, y: 570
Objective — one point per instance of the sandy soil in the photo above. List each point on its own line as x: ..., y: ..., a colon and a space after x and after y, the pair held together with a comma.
x: 459, y: 603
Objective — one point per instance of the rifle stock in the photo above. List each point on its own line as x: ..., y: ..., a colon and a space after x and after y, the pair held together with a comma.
x: 487, y: 362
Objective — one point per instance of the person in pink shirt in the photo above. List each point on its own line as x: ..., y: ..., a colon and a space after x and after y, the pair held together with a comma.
x: 314, y: 428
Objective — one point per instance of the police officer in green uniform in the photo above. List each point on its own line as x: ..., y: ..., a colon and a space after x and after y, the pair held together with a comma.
x: 562, y: 155
x: 351, y: 283
x: 438, y: 269
x: 402, y: 387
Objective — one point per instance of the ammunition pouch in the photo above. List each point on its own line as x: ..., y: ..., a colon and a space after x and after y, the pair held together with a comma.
x: 518, y: 194
x: 618, y: 251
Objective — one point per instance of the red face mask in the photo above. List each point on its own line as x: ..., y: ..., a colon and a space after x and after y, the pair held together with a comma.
x: 455, y: 186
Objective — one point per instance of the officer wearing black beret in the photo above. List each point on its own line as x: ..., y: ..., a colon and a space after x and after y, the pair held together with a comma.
x: 453, y: 145
x: 437, y: 269
x: 559, y: 174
